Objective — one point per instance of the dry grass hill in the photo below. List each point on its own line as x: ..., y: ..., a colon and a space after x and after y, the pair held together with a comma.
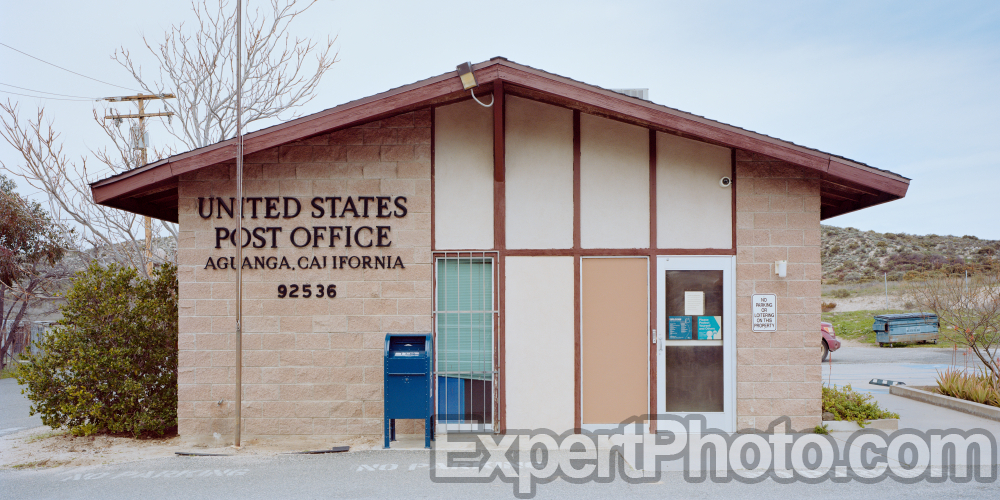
x: 853, y: 256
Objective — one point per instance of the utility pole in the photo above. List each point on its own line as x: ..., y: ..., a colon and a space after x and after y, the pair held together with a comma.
x: 139, y: 142
x: 239, y: 226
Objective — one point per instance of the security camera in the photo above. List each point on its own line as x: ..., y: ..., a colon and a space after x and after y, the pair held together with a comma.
x: 725, y: 182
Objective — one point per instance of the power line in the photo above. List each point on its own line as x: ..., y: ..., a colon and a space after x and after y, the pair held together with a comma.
x: 43, y: 97
x: 50, y: 93
x: 64, y: 69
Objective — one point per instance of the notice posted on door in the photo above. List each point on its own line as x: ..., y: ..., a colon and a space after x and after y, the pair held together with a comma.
x: 765, y: 312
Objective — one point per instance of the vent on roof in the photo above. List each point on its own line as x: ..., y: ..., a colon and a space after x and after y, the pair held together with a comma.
x: 640, y: 93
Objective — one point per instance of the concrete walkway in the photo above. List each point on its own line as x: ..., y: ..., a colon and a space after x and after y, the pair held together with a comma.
x: 912, y: 366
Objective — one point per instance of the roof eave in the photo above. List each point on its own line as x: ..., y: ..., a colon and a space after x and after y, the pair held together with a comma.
x: 518, y: 79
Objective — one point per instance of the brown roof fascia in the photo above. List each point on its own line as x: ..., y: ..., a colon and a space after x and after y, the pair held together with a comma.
x: 659, y: 116
x: 390, y: 102
x: 446, y: 86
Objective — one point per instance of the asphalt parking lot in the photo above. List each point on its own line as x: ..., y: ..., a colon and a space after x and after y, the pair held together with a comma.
x: 912, y: 366
x: 407, y: 474
x: 14, y: 409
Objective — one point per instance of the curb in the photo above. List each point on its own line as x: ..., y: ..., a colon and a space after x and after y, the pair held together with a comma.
x: 885, y: 424
x: 970, y: 407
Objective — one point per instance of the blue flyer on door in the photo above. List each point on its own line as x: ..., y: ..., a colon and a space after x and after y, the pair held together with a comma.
x: 709, y: 328
x: 680, y: 328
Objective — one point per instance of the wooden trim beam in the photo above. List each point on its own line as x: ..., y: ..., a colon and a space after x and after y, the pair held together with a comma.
x: 614, y: 252
x: 577, y: 285
x: 651, y: 279
x: 499, y: 165
x: 500, y: 243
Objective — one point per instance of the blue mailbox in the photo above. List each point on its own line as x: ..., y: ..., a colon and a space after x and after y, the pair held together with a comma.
x: 408, y: 388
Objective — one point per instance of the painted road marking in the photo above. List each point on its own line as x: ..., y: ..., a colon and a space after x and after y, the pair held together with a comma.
x: 70, y: 476
x: 426, y: 466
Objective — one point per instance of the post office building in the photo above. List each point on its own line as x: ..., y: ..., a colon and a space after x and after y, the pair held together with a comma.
x: 580, y: 255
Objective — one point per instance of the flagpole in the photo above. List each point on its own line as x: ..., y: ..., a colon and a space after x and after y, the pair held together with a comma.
x: 239, y: 224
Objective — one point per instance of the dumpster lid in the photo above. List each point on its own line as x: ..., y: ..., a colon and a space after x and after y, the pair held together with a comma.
x: 916, y: 315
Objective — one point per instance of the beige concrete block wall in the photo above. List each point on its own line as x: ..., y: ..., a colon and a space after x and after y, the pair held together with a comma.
x: 777, y: 218
x: 312, y: 367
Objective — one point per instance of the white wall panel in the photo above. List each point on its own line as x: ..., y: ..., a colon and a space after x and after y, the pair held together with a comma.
x: 692, y: 210
x: 539, y: 342
x: 614, y: 184
x: 539, y: 156
x: 463, y: 176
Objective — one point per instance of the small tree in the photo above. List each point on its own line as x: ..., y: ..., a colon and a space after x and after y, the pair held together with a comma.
x: 968, y: 310
x: 110, y: 364
x: 30, y: 253
x: 26, y: 235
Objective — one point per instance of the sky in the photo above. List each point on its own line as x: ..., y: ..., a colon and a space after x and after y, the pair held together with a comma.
x: 907, y: 86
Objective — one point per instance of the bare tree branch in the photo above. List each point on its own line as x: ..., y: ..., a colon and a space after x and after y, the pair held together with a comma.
x: 199, y: 68
x: 92, y: 231
x: 969, y: 312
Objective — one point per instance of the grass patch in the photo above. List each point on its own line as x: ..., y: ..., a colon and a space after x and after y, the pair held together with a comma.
x: 7, y: 372
x: 855, y: 325
x: 45, y: 435
x: 39, y: 463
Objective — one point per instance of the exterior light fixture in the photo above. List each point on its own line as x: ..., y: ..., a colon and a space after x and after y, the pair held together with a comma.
x: 781, y: 268
x: 467, y: 76
x: 469, y: 81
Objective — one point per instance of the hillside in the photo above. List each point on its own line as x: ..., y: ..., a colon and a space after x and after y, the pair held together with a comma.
x: 853, y: 256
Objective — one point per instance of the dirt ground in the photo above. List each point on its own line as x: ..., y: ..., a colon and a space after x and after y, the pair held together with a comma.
x: 43, y: 447
x: 866, y: 303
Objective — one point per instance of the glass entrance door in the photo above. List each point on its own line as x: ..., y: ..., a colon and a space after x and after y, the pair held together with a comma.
x: 696, y: 345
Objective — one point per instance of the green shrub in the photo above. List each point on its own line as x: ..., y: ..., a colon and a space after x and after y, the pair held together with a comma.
x: 981, y: 387
x: 846, y: 404
x: 110, y: 364
x: 840, y: 293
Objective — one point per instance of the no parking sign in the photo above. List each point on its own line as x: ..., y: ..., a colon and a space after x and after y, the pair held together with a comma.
x: 765, y: 312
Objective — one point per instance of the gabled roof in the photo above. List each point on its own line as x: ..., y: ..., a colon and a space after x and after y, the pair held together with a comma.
x: 846, y: 185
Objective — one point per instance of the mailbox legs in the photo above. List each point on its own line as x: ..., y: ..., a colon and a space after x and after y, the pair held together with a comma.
x: 387, y: 435
x: 427, y: 432
x: 390, y: 430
